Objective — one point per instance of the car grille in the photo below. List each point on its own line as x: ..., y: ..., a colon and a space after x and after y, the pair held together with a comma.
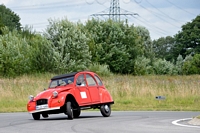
x: 42, y: 101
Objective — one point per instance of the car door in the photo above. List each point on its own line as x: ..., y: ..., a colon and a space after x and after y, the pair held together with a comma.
x: 81, y: 91
x: 93, y: 88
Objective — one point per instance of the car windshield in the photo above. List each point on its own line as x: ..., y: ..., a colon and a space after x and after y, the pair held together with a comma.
x: 61, y: 82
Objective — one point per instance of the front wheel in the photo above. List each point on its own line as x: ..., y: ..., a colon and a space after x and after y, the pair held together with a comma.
x: 36, y: 116
x: 45, y: 115
x: 105, y: 110
x: 77, y: 113
x: 69, y: 110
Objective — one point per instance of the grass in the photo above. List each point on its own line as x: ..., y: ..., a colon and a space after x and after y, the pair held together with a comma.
x: 139, y: 92
x: 129, y: 92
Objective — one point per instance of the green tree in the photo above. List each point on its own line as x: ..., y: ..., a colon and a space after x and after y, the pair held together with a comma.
x: 14, y: 54
x: 113, y: 43
x: 192, y: 65
x: 144, y: 41
x: 42, y: 54
x: 71, y: 52
x: 162, y: 47
x: 24, y: 52
x: 9, y: 18
x: 196, y: 63
x: 42, y: 50
x: 1, y: 26
x: 187, y: 40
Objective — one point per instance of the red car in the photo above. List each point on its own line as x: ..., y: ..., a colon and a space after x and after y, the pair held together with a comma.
x: 70, y: 93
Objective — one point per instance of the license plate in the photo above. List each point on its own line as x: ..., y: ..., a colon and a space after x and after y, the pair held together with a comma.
x: 45, y: 106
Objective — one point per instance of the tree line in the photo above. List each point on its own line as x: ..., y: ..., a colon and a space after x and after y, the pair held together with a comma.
x: 117, y: 47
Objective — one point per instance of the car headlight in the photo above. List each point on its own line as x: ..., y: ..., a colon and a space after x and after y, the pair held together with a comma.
x: 31, y: 97
x: 55, y: 94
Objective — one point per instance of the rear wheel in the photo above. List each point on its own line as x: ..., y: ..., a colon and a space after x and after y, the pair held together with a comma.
x: 77, y: 113
x: 105, y: 110
x: 36, y: 116
x: 69, y: 110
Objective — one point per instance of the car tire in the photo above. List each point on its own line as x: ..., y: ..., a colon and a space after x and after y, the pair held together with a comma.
x: 105, y: 110
x: 36, y: 116
x: 76, y: 113
x: 70, y: 110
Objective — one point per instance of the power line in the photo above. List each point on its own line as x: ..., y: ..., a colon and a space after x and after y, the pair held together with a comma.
x: 55, y: 4
x: 47, y: 22
x: 165, y: 15
x: 158, y: 16
x: 49, y: 6
x: 150, y: 26
x: 180, y: 7
x: 108, y: 13
x: 35, y: 5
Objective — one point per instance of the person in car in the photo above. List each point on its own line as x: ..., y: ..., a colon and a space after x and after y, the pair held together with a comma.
x: 80, y: 81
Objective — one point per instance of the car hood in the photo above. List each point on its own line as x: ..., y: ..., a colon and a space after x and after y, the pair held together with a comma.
x: 49, y: 92
x: 45, y: 94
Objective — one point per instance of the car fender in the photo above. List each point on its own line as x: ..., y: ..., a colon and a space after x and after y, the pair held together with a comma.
x: 60, y: 99
x: 31, y: 106
x: 105, y: 96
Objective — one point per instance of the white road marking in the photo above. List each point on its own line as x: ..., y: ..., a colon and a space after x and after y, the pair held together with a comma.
x: 177, y: 124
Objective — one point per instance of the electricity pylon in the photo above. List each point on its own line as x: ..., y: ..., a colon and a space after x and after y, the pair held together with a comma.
x: 114, y: 12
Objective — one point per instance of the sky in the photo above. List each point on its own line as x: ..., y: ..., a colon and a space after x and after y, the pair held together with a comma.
x: 161, y: 17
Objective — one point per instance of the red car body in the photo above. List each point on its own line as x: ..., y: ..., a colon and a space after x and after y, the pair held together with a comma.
x: 70, y: 93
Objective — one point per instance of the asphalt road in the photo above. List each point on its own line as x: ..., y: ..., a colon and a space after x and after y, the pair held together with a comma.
x: 94, y: 122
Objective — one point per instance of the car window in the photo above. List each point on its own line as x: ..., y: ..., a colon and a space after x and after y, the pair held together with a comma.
x: 80, y: 80
x: 69, y: 80
x: 98, y: 81
x: 90, y: 80
x: 61, y: 82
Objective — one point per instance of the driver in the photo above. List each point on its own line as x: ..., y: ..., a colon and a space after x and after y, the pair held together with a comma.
x: 80, y: 81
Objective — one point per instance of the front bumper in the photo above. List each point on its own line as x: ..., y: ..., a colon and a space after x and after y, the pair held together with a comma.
x: 43, y: 110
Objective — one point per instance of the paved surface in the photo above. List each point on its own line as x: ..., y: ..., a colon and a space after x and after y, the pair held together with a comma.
x: 93, y: 122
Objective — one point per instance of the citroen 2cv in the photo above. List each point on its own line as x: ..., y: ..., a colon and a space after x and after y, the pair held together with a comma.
x: 69, y: 94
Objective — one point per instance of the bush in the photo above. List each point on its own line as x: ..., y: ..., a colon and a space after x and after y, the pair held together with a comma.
x: 101, y: 70
x: 163, y: 67
x: 179, y: 64
x: 142, y: 66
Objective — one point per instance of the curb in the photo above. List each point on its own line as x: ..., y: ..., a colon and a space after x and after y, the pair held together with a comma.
x: 176, y: 122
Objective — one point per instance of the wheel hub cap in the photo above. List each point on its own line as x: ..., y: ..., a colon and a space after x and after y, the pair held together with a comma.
x: 106, y: 108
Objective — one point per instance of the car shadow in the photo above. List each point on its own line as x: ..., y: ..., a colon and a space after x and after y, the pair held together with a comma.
x: 66, y: 118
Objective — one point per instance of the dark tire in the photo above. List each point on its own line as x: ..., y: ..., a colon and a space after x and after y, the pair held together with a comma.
x: 45, y: 115
x: 77, y: 113
x: 69, y: 110
x: 105, y: 110
x: 36, y: 116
